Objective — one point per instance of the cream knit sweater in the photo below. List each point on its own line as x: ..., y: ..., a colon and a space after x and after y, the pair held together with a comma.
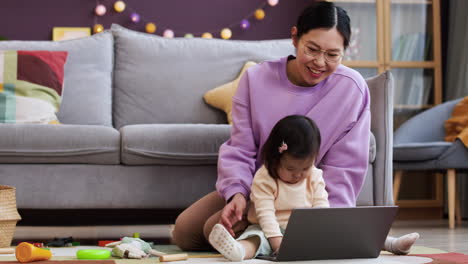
x: 272, y: 200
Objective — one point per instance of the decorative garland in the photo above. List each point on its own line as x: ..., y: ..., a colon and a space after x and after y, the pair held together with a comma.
x: 150, y: 27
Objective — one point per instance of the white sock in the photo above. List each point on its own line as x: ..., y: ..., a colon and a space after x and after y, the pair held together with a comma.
x: 222, y: 241
x: 400, y: 245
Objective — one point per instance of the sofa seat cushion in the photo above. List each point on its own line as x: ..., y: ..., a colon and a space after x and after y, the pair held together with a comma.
x: 32, y: 143
x: 419, y: 151
x: 180, y: 144
x: 172, y: 144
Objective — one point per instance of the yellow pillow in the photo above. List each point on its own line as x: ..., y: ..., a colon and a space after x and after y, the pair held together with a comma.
x: 221, y: 96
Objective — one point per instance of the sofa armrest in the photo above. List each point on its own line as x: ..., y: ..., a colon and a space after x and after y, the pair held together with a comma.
x: 381, y: 91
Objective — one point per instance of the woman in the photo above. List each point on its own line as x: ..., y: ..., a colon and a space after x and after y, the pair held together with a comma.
x: 314, y: 84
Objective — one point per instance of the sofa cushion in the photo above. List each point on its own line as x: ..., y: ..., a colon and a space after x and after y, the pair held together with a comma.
x: 168, y: 77
x: 179, y: 144
x: 27, y: 143
x: 31, y: 84
x: 26, y: 110
x: 221, y: 96
x: 87, y: 92
x: 172, y: 144
x: 419, y: 151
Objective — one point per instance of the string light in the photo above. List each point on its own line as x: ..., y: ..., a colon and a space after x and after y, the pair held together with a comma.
x: 134, y: 17
x: 259, y: 14
x: 168, y: 33
x: 119, y: 6
x: 98, y: 28
x: 245, y: 24
x: 207, y: 35
x: 272, y: 2
x: 224, y: 32
x: 100, y: 10
x: 150, y: 28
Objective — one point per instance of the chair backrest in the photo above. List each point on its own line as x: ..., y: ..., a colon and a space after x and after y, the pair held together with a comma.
x: 427, y: 126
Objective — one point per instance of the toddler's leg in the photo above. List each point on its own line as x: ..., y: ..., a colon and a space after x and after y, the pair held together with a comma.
x: 400, y: 245
x: 250, y: 245
x: 230, y: 248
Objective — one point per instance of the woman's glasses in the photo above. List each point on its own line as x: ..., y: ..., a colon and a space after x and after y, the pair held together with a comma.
x: 329, y: 56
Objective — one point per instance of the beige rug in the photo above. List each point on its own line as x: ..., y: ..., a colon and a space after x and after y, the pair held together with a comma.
x: 212, y: 257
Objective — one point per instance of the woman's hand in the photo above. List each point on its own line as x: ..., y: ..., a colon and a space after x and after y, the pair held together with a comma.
x: 233, y: 211
x: 275, y: 243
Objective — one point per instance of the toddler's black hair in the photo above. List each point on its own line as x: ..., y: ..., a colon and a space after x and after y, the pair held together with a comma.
x: 323, y: 14
x: 299, y: 133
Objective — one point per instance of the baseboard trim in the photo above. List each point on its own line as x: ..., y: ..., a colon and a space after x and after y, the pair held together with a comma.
x: 90, y: 235
x: 97, y: 217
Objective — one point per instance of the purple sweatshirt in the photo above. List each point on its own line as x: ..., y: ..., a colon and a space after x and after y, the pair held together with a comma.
x: 340, y: 107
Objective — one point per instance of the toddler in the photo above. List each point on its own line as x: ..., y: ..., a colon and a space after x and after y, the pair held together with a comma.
x: 288, y: 179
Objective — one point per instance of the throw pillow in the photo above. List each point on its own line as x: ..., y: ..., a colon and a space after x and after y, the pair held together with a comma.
x: 221, y: 96
x: 31, y: 84
x: 457, y: 125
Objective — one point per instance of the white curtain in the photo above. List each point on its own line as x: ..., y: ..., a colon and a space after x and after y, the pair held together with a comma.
x: 456, y: 85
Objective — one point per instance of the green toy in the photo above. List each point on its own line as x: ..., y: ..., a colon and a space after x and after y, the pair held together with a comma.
x: 139, y: 243
x: 93, y: 254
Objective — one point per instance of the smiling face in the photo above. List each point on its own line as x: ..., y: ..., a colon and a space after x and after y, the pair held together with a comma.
x: 291, y: 170
x: 319, y: 53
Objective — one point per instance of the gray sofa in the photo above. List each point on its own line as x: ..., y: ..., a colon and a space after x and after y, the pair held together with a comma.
x: 136, y: 132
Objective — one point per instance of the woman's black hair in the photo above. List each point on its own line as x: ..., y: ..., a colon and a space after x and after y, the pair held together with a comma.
x: 299, y: 133
x: 323, y: 14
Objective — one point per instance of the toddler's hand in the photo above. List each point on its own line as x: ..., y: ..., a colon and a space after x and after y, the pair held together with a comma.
x: 275, y: 243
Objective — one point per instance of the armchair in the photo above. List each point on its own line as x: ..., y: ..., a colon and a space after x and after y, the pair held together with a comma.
x: 419, y: 145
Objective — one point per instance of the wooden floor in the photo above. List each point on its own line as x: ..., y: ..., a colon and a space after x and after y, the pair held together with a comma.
x: 435, y: 234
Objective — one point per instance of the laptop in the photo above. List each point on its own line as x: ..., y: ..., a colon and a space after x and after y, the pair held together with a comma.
x: 335, y: 233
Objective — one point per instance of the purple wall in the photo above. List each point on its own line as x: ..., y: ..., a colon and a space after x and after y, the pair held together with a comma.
x: 34, y: 19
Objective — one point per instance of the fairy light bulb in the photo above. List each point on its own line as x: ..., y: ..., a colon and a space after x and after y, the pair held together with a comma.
x: 98, y: 28
x: 226, y: 33
x: 273, y: 2
x: 100, y: 10
x: 119, y: 6
x: 207, y: 35
x: 135, y: 18
x: 245, y: 24
x: 259, y: 14
x: 188, y: 35
x: 168, y: 33
x: 150, y: 28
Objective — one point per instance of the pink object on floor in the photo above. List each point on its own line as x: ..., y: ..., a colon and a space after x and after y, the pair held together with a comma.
x: 446, y: 258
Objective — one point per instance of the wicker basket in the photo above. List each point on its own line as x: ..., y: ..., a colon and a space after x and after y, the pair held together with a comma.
x: 8, y: 215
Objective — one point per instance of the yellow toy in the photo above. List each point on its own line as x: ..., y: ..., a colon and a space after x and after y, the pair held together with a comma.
x: 26, y: 252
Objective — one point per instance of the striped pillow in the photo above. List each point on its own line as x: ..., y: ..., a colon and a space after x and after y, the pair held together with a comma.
x: 31, y: 84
